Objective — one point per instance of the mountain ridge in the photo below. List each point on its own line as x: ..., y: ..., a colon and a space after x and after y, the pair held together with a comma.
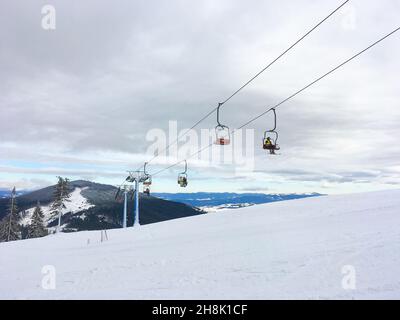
x: 230, y: 199
x: 102, y: 211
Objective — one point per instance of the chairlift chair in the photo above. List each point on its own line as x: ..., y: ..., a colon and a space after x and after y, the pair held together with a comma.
x: 182, y: 177
x: 182, y: 180
x: 222, y: 132
x: 270, y: 143
x: 223, y: 135
x: 147, y: 182
x: 130, y: 178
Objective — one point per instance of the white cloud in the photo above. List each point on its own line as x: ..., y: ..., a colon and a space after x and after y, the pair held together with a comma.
x: 88, y: 92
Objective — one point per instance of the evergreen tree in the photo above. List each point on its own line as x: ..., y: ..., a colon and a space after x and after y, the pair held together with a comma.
x: 61, y: 195
x: 9, y: 227
x: 37, y: 229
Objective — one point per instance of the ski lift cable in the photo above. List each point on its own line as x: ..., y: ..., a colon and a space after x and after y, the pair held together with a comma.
x: 286, y: 51
x: 289, y: 97
x: 180, y: 161
x: 320, y: 78
x: 249, y: 81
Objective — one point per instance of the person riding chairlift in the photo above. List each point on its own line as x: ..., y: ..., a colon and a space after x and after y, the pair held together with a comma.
x: 182, y: 181
x: 269, y: 145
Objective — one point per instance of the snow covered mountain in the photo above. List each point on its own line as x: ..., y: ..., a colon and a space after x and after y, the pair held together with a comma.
x: 331, y: 247
x: 92, y: 206
x: 215, y: 201
x: 77, y: 206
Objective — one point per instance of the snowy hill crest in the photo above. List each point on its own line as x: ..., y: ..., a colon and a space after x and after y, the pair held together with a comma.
x: 92, y: 206
x: 282, y: 250
x: 75, y: 204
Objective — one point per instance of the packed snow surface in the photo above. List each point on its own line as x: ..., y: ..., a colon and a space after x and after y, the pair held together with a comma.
x: 291, y: 249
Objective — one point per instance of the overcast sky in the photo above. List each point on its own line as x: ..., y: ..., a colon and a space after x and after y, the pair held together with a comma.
x: 79, y: 100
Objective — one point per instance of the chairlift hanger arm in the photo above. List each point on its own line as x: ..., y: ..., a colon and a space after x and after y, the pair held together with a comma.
x: 219, y: 106
x: 220, y: 128
x: 273, y: 130
x: 185, y: 171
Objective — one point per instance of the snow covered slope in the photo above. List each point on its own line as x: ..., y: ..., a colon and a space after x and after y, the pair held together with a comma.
x: 76, y: 203
x: 293, y: 249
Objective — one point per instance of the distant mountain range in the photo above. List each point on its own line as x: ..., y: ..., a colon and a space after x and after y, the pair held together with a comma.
x: 5, y: 193
x: 210, y: 201
x: 92, y: 206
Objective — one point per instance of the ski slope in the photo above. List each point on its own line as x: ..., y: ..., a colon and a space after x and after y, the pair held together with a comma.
x: 282, y: 250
